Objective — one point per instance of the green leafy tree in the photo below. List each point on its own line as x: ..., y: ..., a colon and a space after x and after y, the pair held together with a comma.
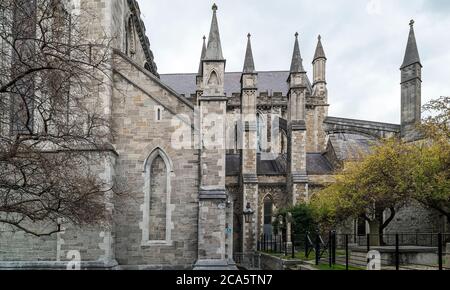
x: 381, y: 183
x: 302, y: 218
x: 432, y: 164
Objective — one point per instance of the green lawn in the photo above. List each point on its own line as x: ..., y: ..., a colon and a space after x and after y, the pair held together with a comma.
x: 298, y: 256
x: 337, y: 267
x: 322, y: 266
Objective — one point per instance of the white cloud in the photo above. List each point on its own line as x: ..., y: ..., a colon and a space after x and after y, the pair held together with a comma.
x: 364, y: 42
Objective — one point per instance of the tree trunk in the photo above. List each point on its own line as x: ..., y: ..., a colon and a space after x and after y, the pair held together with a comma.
x: 374, y: 229
x: 385, y: 223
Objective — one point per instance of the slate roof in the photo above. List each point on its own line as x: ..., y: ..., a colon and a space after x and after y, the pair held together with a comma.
x: 350, y: 147
x: 316, y: 164
x: 268, y: 81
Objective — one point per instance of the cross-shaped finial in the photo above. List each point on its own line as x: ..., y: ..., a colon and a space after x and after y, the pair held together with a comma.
x: 411, y: 23
x: 214, y: 7
x: 296, y: 34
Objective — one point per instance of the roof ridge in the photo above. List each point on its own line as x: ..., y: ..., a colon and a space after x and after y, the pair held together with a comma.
x: 230, y: 72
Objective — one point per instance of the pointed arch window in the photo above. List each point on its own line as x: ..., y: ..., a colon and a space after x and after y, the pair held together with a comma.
x: 268, y: 214
x: 157, y: 223
x: 130, y: 37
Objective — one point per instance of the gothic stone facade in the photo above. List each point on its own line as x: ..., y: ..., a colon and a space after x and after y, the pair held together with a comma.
x: 185, y: 205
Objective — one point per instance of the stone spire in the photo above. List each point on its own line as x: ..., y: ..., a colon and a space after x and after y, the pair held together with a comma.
x: 411, y: 89
x: 200, y: 68
x: 214, y: 49
x: 320, y: 53
x: 297, y: 61
x: 412, y: 53
x: 249, y: 64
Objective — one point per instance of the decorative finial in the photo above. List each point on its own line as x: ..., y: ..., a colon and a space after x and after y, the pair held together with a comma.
x: 249, y: 35
x: 411, y: 23
x: 296, y: 35
x: 214, y: 7
x: 204, y: 38
x: 320, y: 37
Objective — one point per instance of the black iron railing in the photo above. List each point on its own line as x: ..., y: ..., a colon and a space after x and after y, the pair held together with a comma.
x: 419, y: 251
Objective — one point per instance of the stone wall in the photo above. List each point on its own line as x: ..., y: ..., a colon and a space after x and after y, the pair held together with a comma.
x: 271, y: 263
x: 211, y: 238
x: 138, y: 133
x: 415, y: 218
x: 236, y: 195
x: 315, y: 134
x: 94, y: 243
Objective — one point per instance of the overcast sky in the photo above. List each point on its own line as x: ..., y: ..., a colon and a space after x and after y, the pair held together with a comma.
x: 364, y: 41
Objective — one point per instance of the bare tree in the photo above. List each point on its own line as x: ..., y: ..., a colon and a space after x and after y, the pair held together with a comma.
x: 50, y: 125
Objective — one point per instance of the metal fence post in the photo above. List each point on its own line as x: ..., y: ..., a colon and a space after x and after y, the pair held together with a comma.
x: 285, y: 248
x: 440, y: 251
x: 333, y: 247
x: 281, y: 244
x: 346, y: 252
x: 368, y: 243
x: 265, y: 242
x: 306, y: 245
x: 276, y: 246
x: 293, y: 247
x: 330, y: 249
x: 317, y: 249
x: 271, y: 243
x: 368, y: 246
x: 397, y: 253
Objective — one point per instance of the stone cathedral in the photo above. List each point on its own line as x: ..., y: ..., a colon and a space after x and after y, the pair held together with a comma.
x: 186, y: 211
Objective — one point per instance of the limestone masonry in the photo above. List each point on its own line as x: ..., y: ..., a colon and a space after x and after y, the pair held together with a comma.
x: 276, y: 146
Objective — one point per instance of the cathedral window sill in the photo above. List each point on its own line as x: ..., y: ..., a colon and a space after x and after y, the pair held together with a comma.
x: 148, y: 244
